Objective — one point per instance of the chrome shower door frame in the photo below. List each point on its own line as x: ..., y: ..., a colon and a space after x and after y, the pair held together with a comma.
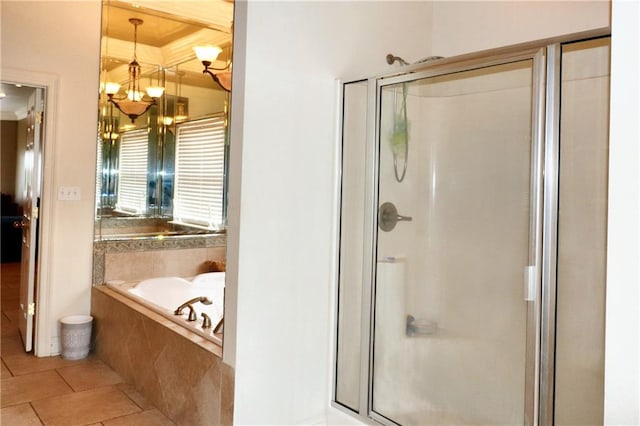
x: 537, y: 56
x: 545, y: 110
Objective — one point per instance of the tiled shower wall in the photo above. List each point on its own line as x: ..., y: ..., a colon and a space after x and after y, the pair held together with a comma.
x: 179, y: 372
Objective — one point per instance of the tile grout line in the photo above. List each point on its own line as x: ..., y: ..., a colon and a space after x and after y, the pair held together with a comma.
x: 14, y: 375
x: 6, y: 366
x: 64, y: 380
x: 142, y: 410
x: 119, y: 417
x: 37, y: 414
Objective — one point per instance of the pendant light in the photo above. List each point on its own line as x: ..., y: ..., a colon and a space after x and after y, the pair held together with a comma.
x: 135, y: 103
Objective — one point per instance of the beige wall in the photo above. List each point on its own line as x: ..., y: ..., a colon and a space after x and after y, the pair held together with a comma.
x: 59, y: 41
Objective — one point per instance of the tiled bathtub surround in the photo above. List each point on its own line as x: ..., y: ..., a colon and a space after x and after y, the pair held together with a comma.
x: 154, y: 296
x: 181, y: 373
x: 140, y: 258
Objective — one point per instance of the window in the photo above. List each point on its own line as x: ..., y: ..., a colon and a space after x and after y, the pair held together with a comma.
x: 132, y: 179
x: 199, y: 182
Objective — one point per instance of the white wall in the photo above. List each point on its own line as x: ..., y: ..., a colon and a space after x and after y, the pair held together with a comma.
x: 470, y: 26
x: 294, y: 52
x: 284, y: 112
x: 622, y: 357
x: 61, y: 40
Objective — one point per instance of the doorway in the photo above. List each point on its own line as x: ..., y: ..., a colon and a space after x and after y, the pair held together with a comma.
x: 22, y: 111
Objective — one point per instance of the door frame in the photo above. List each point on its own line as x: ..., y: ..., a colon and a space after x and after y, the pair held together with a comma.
x: 49, y: 82
x: 30, y: 217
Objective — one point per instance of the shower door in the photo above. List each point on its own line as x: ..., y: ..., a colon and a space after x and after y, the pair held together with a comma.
x: 456, y: 266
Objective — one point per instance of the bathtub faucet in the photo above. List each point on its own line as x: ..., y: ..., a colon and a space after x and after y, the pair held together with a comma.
x: 189, y: 304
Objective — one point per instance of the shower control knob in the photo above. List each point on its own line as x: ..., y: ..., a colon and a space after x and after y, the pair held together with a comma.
x: 388, y: 217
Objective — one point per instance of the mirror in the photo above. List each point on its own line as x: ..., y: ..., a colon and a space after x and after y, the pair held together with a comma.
x: 163, y: 123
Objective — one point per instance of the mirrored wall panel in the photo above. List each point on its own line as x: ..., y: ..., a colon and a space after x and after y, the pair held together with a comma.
x: 163, y: 128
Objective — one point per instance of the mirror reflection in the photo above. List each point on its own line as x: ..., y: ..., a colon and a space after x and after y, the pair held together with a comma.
x: 163, y: 126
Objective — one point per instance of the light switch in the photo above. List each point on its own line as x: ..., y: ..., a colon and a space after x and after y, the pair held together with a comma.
x: 68, y: 193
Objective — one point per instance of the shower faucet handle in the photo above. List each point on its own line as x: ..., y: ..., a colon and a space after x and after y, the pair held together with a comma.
x: 420, y: 327
x: 388, y: 217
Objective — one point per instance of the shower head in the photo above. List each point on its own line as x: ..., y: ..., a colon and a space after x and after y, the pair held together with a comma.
x: 391, y: 59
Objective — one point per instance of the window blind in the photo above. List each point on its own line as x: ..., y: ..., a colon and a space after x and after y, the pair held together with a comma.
x: 199, y: 173
x: 132, y: 174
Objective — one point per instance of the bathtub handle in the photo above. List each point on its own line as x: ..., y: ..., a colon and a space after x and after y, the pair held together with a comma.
x: 192, y: 313
x: 206, y: 321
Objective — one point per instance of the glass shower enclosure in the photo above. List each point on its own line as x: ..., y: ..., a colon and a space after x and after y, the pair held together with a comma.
x: 448, y: 253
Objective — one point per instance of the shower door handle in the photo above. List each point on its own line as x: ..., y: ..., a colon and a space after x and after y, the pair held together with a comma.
x: 388, y: 217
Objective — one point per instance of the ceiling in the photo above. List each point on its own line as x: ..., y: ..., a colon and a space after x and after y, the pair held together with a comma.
x: 166, y: 37
x: 14, y: 105
x: 165, y: 22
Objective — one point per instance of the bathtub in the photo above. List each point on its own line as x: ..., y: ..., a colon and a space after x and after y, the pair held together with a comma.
x: 164, y: 295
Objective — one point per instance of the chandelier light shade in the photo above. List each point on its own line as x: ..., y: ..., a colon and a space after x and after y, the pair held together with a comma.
x: 207, y: 55
x: 135, y: 103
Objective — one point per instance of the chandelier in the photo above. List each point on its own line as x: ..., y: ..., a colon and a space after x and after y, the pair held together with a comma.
x: 207, y: 55
x: 135, y: 102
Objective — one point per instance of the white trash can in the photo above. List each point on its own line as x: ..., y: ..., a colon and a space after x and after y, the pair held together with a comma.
x: 76, y: 336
